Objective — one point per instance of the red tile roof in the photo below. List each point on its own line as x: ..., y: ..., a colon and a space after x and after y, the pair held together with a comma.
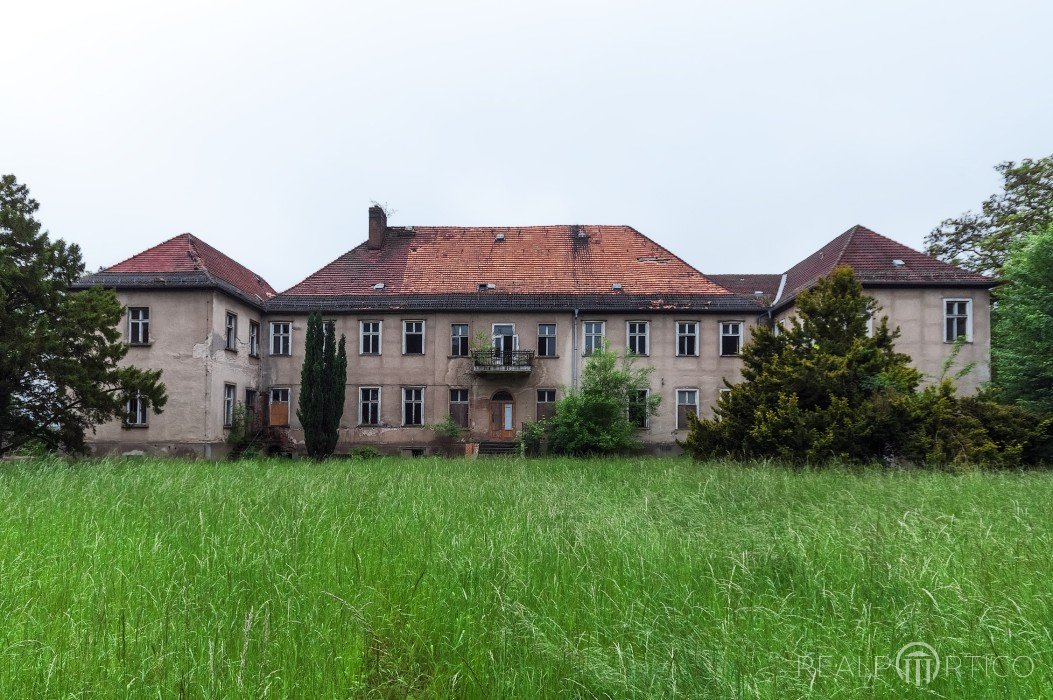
x: 528, y: 260
x: 188, y: 253
x: 873, y: 259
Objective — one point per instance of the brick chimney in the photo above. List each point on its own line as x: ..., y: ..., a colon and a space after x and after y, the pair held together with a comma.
x: 378, y: 224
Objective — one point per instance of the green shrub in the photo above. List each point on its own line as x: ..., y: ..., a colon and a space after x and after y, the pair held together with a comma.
x: 448, y: 429
x: 594, y: 420
x: 364, y: 452
x: 533, y: 438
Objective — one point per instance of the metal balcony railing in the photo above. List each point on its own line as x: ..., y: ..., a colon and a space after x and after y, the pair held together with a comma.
x: 493, y: 360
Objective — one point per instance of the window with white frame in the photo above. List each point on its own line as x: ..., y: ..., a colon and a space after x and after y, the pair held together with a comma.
x: 730, y: 337
x: 546, y: 403
x: 459, y: 340
x: 686, y: 405
x: 546, y: 340
x: 686, y: 338
x: 254, y: 339
x: 135, y: 411
x: 232, y: 331
x: 413, y: 405
x: 229, y: 392
x: 638, y: 337
x: 138, y: 325
x: 281, y: 338
x: 957, y: 320
x: 369, y: 337
x: 593, y: 336
x: 413, y: 337
x: 638, y: 408
x: 459, y: 407
x: 369, y: 405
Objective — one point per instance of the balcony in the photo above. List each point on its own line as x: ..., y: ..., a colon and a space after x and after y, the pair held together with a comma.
x: 495, y: 361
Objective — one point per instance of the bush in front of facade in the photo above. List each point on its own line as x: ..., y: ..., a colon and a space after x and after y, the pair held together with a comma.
x: 597, y: 419
x: 825, y: 389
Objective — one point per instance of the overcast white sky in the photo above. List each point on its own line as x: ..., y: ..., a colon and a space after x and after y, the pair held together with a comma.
x: 742, y: 135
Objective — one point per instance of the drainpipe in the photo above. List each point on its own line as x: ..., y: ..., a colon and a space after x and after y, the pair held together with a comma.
x: 575, y: 354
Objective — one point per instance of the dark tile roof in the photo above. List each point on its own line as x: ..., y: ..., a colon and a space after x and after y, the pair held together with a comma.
x: 567, y: 260
x: 750, y: 284
x: 184, y: 261
x: 872, y: 258
x: 496, y: 301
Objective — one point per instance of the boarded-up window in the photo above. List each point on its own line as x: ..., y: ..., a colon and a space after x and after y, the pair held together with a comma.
x: 546, y: 403
x: 459, y: 406
x: 686, y: 405
x: 279, y: 407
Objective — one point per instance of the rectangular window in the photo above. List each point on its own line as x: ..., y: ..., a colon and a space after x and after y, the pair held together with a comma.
x: 686, y: 338
x: 228, y: 404
x: 686, y: 405
x: 637, y: 336
x: 413, y: 405
x: 279, y: 406
x: 413, y: 337
x: 369, y: 405
x: 369, y: 337
x: 957, y: 320
x: 281, y: 338
x: 593, y: 336
x: 138, y: 327
x: 254, y: 339
x: 135, y: 411
x: 459, y: 340
x: 546, y: 403
x: 638, y: 408
x: 250, y: 406
x: 546, y: 340
x: 232, y: 331
x: 459, y: 406
x: 730, y: 337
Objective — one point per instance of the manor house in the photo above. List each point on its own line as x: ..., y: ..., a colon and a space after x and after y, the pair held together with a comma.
x: 487, y: 325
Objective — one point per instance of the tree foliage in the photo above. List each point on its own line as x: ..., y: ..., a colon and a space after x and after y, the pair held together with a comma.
x: 981, y: 241
x: 595, y: 419
x: 323, y: 378
x: 822, y: 389
x: 60, y: 350
x: 1023, y: 332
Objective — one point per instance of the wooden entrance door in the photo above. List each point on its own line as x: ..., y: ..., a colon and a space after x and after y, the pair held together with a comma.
x: 502, y: 416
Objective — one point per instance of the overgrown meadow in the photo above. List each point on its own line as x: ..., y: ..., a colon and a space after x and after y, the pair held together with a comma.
x: 502, y: 578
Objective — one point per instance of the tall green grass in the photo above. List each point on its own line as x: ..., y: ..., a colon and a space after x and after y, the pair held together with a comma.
x: 501, y: 578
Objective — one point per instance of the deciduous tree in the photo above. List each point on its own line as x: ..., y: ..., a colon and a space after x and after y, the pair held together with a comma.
x: 981, y: 241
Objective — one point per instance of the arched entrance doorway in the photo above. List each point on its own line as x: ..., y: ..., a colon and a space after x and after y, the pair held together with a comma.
x: 502, y: 416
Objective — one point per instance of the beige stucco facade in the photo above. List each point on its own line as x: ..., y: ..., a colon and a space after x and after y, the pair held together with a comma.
x: 187, y: 329
x: 918, y: 313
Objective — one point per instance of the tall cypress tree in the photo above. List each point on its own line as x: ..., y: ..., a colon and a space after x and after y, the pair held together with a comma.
x: 311, y: 410
x: 322, y: 382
